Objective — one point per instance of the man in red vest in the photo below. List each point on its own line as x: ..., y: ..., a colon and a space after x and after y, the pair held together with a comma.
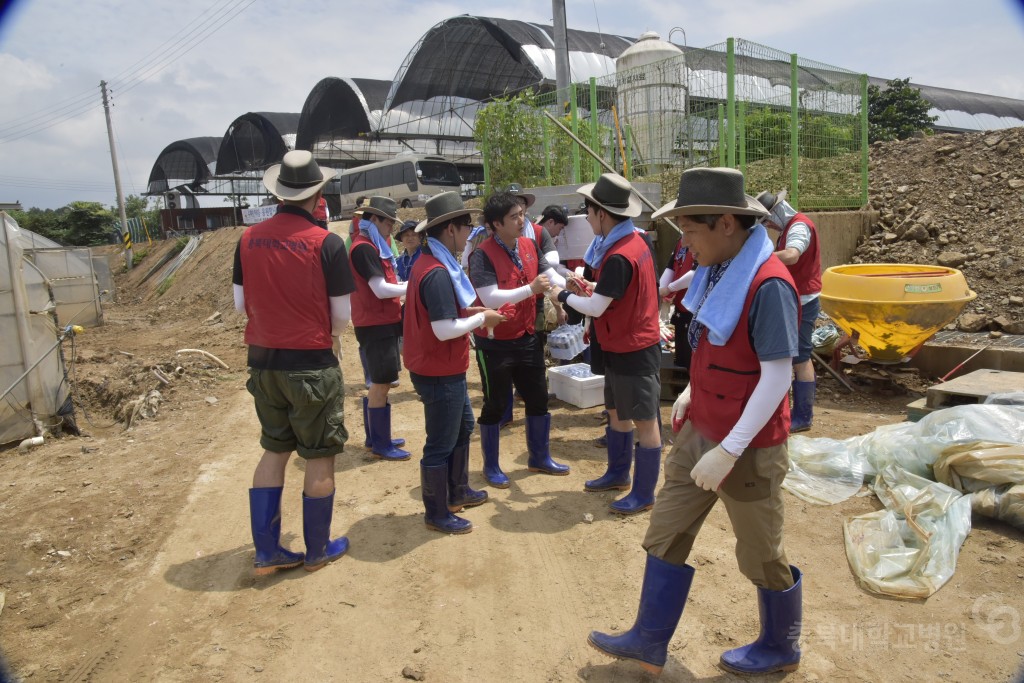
x: 292, y: 280
x: 624, y: 308
x: 797, y: 247
x: 438, y: 318
x: 377, y: 318
x: 672, y: 285
x: 732, y: 446
x: 508, y: 269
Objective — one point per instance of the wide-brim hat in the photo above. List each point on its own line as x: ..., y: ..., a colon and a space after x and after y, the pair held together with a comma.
x: 614, y: 194
x: 711, y: 191
x: 517, y: 190
x: 443, y: 207
x: 769, y: 200
x: 386, y: 207
x: 297, y: 177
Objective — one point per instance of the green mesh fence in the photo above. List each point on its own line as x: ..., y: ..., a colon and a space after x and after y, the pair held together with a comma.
x: 785, y: 122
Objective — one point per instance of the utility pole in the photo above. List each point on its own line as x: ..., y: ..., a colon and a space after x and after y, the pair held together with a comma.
x: 126, y: 235
x: 561, y: 52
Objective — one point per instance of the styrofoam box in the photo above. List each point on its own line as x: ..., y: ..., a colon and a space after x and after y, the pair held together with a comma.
x: 582, y: 392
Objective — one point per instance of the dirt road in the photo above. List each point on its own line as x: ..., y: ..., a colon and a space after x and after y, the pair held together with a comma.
x: 127, y: 554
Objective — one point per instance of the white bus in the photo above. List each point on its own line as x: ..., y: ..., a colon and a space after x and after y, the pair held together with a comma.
x: 409, y: 179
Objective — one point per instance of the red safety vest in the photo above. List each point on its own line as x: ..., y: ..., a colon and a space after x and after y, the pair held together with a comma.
x: 632, y: 322
x: 723, y: 377
x: 284, y: 284
x: 523, y: 321
x: 680, y: 267
x: 367, y: 309
x: 422, y: 351
x: 806, y: 271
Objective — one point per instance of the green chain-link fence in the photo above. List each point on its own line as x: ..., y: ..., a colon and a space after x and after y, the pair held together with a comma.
x: 785, y: 122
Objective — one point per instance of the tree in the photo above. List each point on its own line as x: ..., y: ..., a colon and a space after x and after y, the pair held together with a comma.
x: 510, y: 133
x: 45, y: 222
x: 897, y: 111
x: 87, y: 224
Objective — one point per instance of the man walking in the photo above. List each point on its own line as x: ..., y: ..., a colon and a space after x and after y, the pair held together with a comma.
x: 624, y: 308
x: 735, y: 422
x: 294, y: 377
x: 438, y: 319
x: 377, y: 318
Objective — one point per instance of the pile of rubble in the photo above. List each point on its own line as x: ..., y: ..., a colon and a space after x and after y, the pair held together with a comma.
x: 956, y: 201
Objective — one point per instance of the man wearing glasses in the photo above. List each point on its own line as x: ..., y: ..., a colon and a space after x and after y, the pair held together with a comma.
x: 509, y: 274
x: 377, y: 319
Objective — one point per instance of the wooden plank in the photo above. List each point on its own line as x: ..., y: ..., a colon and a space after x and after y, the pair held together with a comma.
x: 973, y: 387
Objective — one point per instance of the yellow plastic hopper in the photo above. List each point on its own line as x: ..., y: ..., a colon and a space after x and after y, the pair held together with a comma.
x: 893, y: 307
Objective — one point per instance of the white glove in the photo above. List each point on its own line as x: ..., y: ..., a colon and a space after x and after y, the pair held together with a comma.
x: 679, y: 409
x: 712, y: 468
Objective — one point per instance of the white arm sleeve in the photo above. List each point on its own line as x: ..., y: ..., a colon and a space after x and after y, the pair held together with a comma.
x: 239, y: 293
x: 593, y: 305
x: 666, y: 277
x: 798, y: 237
x: 492, y: 297
x: 386, y: 290
x: 683, y: 282
x: 554, y: 272
x: 456, y: 327
x: 771, y: 389
x: 341, y: 313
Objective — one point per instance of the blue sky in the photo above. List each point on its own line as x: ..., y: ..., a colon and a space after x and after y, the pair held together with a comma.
x: 267, y: 56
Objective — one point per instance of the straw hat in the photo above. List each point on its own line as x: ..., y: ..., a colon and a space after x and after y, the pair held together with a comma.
x: 297, y: 177
x: 614, y: 194
x: 711, y: 191
x: 443, y: 207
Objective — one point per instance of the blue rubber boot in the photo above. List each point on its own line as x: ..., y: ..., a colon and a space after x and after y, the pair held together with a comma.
x: 380, y: 435
x: 316, y: 530
x: 778, y: 646
x: 803, y: 406
x: 489, y: 439
x: 645, y: 479
x: 538, y: 443
x: 265, y: 519
x: 460, y: 494
x: 620, y: 460
x: 397, y: 443
x: 434, y: 484
x: 662, y: 599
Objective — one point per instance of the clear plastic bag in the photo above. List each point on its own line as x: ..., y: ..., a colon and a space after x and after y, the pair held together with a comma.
x: 823, y: 471
x: 565, y: 342
x: 910, y: 549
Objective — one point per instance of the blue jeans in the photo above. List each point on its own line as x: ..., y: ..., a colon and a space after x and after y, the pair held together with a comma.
x: 447, y: 416
x: 808, y: 317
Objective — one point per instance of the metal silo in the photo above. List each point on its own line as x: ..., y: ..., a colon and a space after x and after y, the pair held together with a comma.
x: 651, y: 85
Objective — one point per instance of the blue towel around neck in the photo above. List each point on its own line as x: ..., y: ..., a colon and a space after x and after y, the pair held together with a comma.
x: 464, y: 291
x: 371, y: 231
x: 528, y: 230
x: 600, y: 245
x: 720, y: 311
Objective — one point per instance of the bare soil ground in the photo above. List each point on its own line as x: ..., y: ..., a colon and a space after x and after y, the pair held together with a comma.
x: 127, y: 553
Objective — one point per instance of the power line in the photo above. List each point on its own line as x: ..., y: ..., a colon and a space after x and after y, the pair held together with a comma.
x: 129, y: 78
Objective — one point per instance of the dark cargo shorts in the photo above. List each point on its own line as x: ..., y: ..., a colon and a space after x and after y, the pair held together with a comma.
x: 300, y: 410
